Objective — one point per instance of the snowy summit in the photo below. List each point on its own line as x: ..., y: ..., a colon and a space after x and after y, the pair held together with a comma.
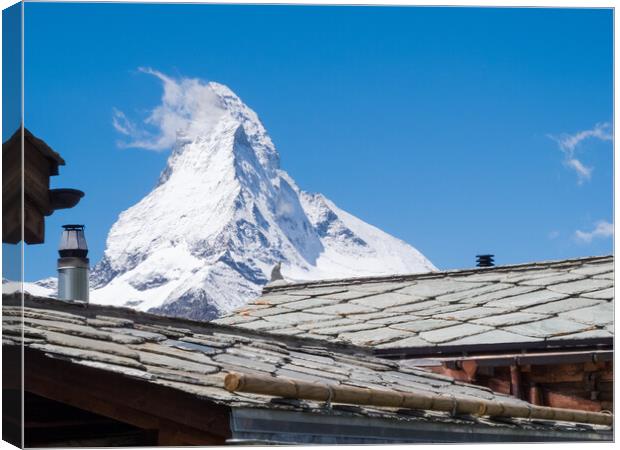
x: 224, y: 214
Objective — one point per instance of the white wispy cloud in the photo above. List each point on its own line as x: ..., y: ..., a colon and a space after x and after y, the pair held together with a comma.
x: 122, y: 124
x: 568, y: 143
x: 188, y: 107
x: 603, y: 229
x: 583, y: 173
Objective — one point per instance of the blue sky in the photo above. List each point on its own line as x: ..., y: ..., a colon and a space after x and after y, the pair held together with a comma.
x: 449, y: 128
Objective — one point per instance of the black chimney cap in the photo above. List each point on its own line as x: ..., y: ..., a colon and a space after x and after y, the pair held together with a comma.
x: 73, y: 242
x: 485, y: 260
x: 73, y: 227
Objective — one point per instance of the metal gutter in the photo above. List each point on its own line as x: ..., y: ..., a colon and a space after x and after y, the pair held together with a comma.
x: 540, y: 358
x: 500, y: 348
x: 266, y: 426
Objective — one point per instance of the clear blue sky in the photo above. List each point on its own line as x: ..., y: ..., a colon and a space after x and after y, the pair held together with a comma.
x: 433, y: 124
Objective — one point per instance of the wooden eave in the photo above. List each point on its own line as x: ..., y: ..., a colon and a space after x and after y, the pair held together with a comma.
x: 180, y: 418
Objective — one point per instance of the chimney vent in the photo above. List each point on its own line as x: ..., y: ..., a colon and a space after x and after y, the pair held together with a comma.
x: 73, y: 265
x: 485, y: 260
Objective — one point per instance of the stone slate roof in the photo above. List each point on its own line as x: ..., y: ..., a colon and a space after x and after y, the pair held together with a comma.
x: 194, y: 357
x: 521, y: 304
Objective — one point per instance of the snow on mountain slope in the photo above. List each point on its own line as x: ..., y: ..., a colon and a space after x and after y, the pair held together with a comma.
x: 205, y: 240
x: 47, y: 287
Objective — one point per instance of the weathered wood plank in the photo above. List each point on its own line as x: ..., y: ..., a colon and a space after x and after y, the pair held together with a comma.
x: 560, y: 400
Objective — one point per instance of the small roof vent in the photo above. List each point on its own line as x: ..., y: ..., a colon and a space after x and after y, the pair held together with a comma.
x: 485, y: 260
x: 73, y: 242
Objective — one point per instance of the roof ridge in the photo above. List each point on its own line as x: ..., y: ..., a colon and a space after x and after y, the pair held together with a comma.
x: 439, y: 274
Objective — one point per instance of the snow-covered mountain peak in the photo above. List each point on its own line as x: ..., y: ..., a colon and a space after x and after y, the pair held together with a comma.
x: 223, y: 214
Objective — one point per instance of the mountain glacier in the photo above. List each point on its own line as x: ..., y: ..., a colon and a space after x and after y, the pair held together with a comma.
x: 222, y: 215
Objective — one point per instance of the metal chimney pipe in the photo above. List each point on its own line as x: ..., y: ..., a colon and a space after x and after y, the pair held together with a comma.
x: 73, y: 265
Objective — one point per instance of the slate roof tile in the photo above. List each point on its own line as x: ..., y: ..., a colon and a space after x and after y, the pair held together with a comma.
x: 235, y: 319
x: 414, y: 307
x: 340, y: 329
x: 82, y: 330
x: 588, y: 334
x: 393, y: 318
x: 334, y: 321
x: 263, y: 310
x: 432, y: 288
x: 374, y: 336
x: 375, y: 287
x: 510, y: 319
x: 531, y: 298
x: 547, y: 328
x: 418, y: 325
x: 494, y: 336
x: 413, y: 341
x: 287, y: 331
x: 90, y: 355
x: 592, y: 269
x: 370, y: 317
x: 68, y: 340
x: 314, y: 291
x: 277, y: 299
x: 604, y: 276
x: 498, y: 298
x: 214, y: 380
x: 342, y: 309
x: 454, y: 332
x: 194, y: 357
x: 605, y: 294
x: 449, y: 308
x: 471, y: 313
x: 600, y: 314
x: 308, y: 303
x: 243, y: 362
x: 261, y: 325
x: 482, y: 299
x: 578, y: 287
x: 168, y: 350
x: 522, y: 276
x: 475, y: 292
x: 351, y: 294
x: 210, y: 341
x: 147, y: 357
x: 146, y: 335
x: 295, y: 318
x: 119, y: 322
x: 183, y: 345
x: 553, y: 279
x: 386, y: 300
x: 123, y: 370
x: 558, y: 306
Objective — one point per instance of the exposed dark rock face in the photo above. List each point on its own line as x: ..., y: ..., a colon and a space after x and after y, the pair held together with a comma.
x: 195, y: 304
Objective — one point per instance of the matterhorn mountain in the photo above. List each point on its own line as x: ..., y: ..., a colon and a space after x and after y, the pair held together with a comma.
x: 222, y: 216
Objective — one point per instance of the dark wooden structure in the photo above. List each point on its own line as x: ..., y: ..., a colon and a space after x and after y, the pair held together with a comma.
x: 28, y: 174
x: 575, y: 378
x: 70, y: 405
